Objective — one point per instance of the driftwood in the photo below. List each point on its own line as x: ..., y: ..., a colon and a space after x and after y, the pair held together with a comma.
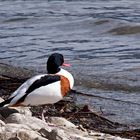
x: 12, y: 77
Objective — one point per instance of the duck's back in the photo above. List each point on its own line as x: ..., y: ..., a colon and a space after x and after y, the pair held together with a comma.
x: 40, y: 89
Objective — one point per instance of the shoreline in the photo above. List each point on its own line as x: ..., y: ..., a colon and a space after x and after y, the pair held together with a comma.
x: 12, y: 77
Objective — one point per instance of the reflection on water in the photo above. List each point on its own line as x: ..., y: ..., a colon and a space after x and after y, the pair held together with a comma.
x: 99, y: 38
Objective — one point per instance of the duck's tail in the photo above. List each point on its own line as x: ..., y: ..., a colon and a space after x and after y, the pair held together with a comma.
x: 2, y: 104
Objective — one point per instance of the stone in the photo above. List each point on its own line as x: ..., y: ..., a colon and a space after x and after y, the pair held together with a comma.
x: 7, y: 136
x: 78, y: 137
x: 76, y: 134
x: 2, y: 123
x: 23, y: 110
x: 19, y: 132
x: 55, y: 134
x: 1, y: 100
x: 29, y: 135
x: 2, y: 126
x: 58, y: 134
x: 60, y: 121
x: 32, y: 122
x: 2, y: 118
x: 6, y: 111
x: 64, y: 134
x: 12, y: 127
x: 14, y: 138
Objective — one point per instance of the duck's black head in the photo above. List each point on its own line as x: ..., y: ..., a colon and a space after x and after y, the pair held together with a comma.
x: 54, y: 62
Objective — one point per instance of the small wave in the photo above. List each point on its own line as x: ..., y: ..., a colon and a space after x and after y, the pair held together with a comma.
x: 18, y: 19
x: 101, y: 22
x: 109, y: 83
x: 70, y: 41
x: 125, y: 30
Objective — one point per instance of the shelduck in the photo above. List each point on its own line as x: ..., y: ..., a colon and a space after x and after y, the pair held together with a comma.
x: 44, y: 88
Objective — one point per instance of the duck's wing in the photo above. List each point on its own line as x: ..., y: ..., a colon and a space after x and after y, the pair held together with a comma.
x: 23, y: 88
x: 30, y: 85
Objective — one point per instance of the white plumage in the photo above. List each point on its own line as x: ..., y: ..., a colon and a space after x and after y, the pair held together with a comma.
x: 49, y: 94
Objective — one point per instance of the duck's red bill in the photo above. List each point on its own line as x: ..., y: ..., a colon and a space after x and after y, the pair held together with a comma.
x: 66, y: 65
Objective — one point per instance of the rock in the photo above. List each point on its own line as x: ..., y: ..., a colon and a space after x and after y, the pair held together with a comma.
x: 29, y: 135
x: 8, y: 136
x: 14, y: 138
x: 23, y: 110
x: 5, y: 112
x: 74, y: 131
x: 64, y: 133
x: 32, y: 122
x: 60, y: 121
x: 2, y: 123
x: 76, y: 134
x: 1, y: 100
x: 103, y: 136
x: 28, y: 127
x: 78, y: 137
x: 55, y: 134
x: 12, y: 127
x: 2, y: 118
x: 19, y: 132
x: 2, y: 126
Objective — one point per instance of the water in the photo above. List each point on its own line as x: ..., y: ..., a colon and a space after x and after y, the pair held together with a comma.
x: 100, y: 38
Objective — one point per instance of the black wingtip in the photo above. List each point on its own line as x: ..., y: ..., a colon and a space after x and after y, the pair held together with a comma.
x: 2, y: 104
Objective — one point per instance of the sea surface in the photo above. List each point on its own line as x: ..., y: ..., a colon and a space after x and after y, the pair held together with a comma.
x: 99, y: 38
